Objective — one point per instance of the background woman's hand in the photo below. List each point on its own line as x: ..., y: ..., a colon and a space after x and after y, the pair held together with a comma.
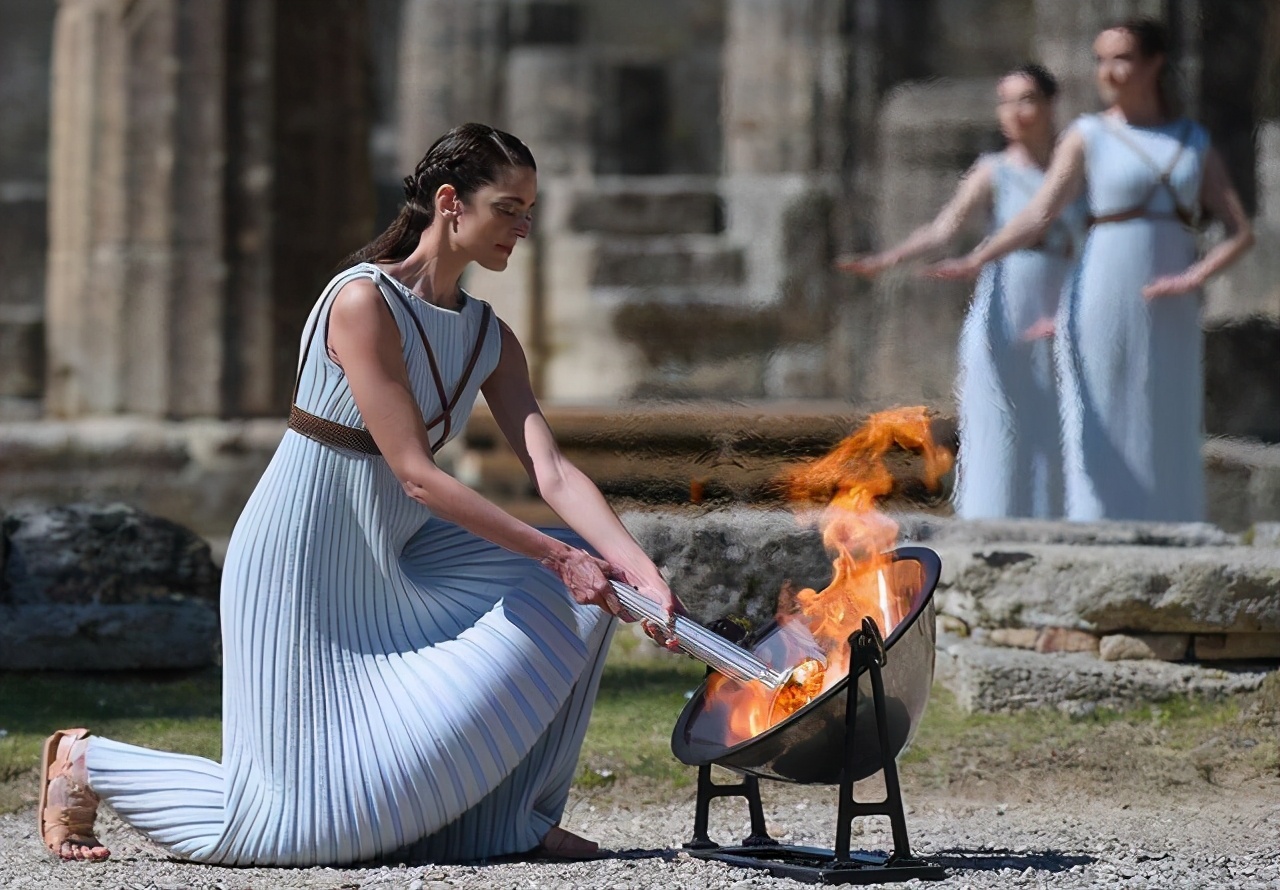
x: 1041, y: 329
x: 1172, y: 285
x: 963, y: 268
x: 867, y: 265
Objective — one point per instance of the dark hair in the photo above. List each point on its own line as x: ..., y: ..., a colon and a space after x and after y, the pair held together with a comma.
x: 1045, y: 82
x: 1150, y: 34
x: 1152, y: 39
x: 468, y: 157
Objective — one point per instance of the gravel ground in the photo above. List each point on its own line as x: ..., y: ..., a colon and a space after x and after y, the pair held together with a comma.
x: 1051, y: 837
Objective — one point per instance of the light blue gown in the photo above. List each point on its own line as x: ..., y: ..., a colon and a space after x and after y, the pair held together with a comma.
x: 392, y: 683
x: 1133, y: 384
x: 1010, y: 461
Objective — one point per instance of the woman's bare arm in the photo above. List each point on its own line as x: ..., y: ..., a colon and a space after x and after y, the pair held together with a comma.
x: 564, y: 487
x: 1063, y: 182
x: 1219, y: 195
x: 365, y: 340
x: 973, y: 193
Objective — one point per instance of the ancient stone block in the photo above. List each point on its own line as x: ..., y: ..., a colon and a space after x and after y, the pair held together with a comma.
x: 1113, y: 589
x: 176, y: 634
x: 1242, y: 367
x: 645, y: 210
x: 1065, y: 639
x: 732, y: 564
x: 688, y: 261
x: 84, y: 554
x: 105, y: 588
x: 1000, y: 679
x: 1225, y: 647
x: 1017, y: 637
x: 1134, y: 647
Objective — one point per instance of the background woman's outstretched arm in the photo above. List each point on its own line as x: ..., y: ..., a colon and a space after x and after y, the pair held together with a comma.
x: 973, y: 193
x: 1063, y: 182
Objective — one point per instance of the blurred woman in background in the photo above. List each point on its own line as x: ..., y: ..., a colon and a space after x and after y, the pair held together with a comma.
x: 1130, y: 349
x: 1010, y: 461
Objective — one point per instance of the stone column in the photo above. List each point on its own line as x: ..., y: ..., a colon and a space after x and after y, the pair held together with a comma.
x: 785, y: 86
x: 785, y: 125
x: 135, y: 269
x: 25, y: 52
x: 452, y: 64
x: 209, y: 168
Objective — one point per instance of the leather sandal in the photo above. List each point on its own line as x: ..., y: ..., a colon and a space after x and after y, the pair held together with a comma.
x: 72, y: 823
x: 561, y: 844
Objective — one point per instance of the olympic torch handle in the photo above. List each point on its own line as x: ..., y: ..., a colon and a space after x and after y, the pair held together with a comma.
x: 701, y: 643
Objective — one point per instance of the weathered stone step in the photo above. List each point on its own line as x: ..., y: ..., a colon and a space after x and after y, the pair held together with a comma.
x: 689, y: 260
x: 656, y: 206
x: 998, y: 679
x: 1112, y: 588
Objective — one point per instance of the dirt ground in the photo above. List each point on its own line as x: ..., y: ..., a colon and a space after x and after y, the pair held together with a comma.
x: 999, y: 820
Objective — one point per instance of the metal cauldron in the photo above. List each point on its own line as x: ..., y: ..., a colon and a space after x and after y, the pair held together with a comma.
x: 808, y: 746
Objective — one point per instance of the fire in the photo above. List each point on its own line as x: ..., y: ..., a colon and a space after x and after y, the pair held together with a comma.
x: 815, y: 626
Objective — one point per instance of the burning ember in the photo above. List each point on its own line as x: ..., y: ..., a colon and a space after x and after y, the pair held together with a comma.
x: 815, y: 625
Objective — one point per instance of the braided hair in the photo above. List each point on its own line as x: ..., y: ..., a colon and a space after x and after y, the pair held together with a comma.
x: 468, y: 157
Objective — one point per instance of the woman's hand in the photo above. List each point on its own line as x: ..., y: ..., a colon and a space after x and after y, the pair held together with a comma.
x: 1041, y: 329
x: 586, y: 578
x: 1173, y: 285
x: 964, y: 268
x: 867, y: 265
x: 658, y: 591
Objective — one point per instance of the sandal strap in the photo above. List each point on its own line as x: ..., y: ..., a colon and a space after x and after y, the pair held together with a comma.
x: 77, y: 819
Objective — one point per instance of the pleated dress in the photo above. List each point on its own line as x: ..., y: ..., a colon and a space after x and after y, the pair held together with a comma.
x: 393, y: 684
x: 1010, y: 460
x: 1132, y: 369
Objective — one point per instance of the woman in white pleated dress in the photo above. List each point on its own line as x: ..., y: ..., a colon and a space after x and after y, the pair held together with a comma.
x: 1129, y: 346
x: 408, y: 669
x: 1010, y: 460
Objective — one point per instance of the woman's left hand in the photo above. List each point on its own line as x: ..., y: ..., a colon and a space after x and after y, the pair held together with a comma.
x: 1172, y: 285
x: 657, y: 590
x: 963, y: 268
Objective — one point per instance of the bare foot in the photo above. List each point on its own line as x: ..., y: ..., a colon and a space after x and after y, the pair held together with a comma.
x: 567, y: 845
x: 68, y: 805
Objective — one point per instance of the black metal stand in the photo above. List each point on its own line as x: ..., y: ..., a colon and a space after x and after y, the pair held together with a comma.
x: 813, y: 865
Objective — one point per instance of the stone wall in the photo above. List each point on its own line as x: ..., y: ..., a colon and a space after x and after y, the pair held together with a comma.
x: 702, y: 162
x: 25, y: 48
x: 209, y: 164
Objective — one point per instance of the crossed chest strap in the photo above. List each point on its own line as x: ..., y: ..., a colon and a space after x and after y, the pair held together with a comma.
x: 1189, y: 217
x: 352, y: 438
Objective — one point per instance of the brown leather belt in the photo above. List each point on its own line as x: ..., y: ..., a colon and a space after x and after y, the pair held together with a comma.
x: 359, y: 439
x: 1140, y: 213
x: 331, y: 433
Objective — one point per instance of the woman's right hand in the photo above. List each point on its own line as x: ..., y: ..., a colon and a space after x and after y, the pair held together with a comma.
x: 964, y: 268
x: 868, y: 265
x: 585, y: 577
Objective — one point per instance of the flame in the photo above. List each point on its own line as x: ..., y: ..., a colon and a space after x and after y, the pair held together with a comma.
x: 816, y: 625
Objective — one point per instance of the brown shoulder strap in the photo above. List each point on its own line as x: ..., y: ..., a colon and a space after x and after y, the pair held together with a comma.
x: 1185, y: 214
x: 446, y: 413
x: 448, y: 404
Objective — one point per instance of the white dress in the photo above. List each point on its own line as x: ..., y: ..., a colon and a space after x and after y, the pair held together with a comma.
x: 392, y: 683
x: 1010, y: 461
x: 1132, y: 369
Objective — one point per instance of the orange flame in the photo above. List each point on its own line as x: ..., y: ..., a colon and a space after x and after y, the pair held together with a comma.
x: 848, y: 482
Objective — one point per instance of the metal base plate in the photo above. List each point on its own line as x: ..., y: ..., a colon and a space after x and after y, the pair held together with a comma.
x: 812, y: 865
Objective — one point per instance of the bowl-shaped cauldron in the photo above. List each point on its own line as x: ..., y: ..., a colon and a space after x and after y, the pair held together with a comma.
x: 807, y: 747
